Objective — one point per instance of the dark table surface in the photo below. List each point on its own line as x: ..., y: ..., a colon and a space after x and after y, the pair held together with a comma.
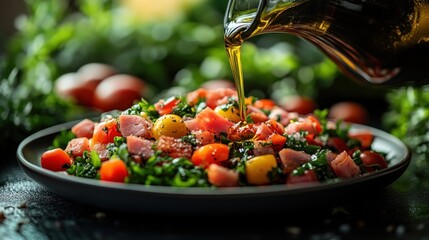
x: 30, y: 211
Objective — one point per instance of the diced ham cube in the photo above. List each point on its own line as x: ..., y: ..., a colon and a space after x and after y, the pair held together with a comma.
x: 84, y: 128
x: 344, y: 166
x: 140, y: 146
x: 174, y: 147
x: 222, y: 177
x: 135, y: 125
x: 77, y: 146
x: 102, y: 151
x: 261, y: 148
x: 292, y: 159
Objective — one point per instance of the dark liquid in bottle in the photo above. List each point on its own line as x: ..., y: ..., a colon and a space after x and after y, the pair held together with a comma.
x: 372, y: 41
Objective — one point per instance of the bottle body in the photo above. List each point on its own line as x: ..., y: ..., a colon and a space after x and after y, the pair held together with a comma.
x: 375, y: 41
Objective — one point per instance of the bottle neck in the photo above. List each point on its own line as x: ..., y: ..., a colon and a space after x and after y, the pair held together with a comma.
x: 246, y: 15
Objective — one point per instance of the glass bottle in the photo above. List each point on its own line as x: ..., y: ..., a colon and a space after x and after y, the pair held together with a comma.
x: 372, y: 41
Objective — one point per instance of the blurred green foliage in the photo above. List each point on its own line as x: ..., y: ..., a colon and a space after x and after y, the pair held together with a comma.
x: 408, y: 119
x: 173, y: 56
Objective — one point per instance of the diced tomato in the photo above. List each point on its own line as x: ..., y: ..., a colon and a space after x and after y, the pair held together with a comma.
x: 113, y: 170
x: 221, y: 176
x: 265, y: 104
x: 338, y: 144
x: 105, y: 132
x: 364, y: 137
x: 308, y: 177
x: 167, y: 106
x: 194, y: 96
x: 278, y: 141
x: 240, y: 132
x: 313, y: 140
x: 316, y: 123
x: 209, y: 154
x: 55, y: 160
x: 373, y: 161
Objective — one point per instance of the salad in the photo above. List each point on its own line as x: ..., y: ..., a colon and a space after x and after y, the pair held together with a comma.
x: 199, y: 140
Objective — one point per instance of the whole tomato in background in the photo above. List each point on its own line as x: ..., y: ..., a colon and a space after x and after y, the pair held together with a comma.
x: 349, y: 111
x: 100, y: 86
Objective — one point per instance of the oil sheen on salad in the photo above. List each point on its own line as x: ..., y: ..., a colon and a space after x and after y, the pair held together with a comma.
x: 199, y: 140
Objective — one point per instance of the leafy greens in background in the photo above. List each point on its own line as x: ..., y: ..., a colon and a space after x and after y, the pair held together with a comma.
x: 408, y: 119
x: 176, y: 53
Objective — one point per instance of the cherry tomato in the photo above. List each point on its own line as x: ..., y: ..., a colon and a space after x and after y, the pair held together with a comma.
x: 55, y: 160
x: 349, y: 112
x: 118, y: 92
x: 210, y: 153
x: 299, y: 104
x: 113, y: 170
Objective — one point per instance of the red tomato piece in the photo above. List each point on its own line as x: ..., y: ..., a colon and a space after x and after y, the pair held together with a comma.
x: 316, y: 123
x: 338, y: 143
x: 209, y: 154
x: 373, y: 161
x: 278, y: 141
x: 55, y: 160
x: 113, y: 170
x: 105, y: 132
x: 265, y: 104
x: 364, y: 137
x: 349, y: 112
x: 167, y: 106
